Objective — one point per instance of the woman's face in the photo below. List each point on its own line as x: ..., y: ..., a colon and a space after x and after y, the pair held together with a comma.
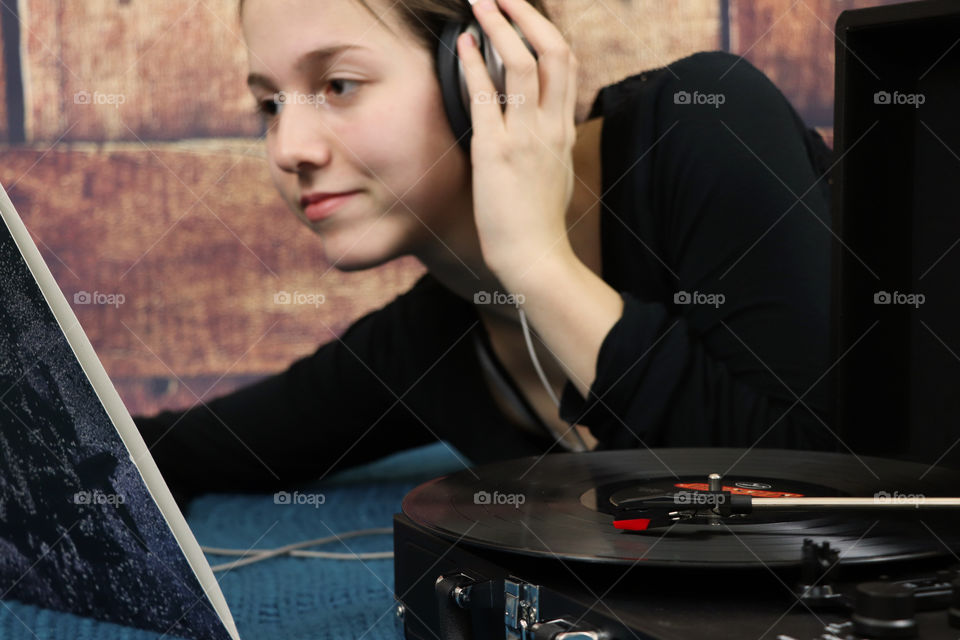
x: 369, y: 119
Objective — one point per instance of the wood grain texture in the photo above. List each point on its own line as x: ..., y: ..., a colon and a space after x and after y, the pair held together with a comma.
x: 102, y: 70
x: 613, y: 39
x: 108, y: 70
x: 793, y: 42
x: 198, y: 243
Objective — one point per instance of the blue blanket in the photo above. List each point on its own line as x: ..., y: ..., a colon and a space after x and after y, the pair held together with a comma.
x: 289, y: 598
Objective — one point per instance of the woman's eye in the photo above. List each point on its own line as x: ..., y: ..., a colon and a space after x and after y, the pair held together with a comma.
x: 270, y: 107
x: 266, y: 108
x: 340, y: 81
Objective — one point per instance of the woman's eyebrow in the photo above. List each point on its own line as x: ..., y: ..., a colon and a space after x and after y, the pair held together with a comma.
x: 317, y: 57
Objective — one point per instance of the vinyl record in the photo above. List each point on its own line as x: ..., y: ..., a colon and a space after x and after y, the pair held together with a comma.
x: 561, y: 505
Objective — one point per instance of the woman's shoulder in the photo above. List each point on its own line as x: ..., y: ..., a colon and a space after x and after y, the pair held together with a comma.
x: 696, y: 72
x: 713, y: 65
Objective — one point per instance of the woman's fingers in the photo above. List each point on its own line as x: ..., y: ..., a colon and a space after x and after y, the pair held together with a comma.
x: 555, y: 57
x: 484, y: 112
x: 532, y: 84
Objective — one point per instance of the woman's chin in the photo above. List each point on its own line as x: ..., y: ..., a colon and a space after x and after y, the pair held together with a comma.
x: 357, y: 255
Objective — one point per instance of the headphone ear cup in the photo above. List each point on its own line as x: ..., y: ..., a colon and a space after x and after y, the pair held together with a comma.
x: 452, y: 81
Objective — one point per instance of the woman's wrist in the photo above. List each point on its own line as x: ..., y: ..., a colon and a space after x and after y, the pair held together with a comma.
x: 569, y: 306
x: 530, y: 269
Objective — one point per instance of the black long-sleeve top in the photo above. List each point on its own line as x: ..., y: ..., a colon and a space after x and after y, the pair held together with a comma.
x: 712, y: 186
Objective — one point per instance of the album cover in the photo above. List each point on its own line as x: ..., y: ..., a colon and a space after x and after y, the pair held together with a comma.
x: 87, y: 524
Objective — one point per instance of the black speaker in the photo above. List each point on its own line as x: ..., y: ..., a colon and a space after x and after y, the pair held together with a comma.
x: 897, y: 216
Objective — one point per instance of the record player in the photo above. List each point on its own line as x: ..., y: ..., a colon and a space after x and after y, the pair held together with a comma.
x: 676, y: 544
x: 815, y: 545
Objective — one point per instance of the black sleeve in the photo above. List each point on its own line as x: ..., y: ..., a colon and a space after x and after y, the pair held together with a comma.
x: 695, y: 370
x: 339, y: 407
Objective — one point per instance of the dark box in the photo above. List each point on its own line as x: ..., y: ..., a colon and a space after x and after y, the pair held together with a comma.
x: 896, y: 213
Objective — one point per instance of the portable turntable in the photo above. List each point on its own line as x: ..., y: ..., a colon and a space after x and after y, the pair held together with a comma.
x: 677, y: 544
x: 546, y: 548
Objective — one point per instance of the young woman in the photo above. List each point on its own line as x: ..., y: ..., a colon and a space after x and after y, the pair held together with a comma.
x: 670, y: 253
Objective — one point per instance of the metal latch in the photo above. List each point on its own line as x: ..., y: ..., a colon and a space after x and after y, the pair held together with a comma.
x: 521, y: 609
x: 521, y: 617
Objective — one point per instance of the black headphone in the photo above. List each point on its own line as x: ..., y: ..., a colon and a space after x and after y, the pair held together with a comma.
x: 453, y: 83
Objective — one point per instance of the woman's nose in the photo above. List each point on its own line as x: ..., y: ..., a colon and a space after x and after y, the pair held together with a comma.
x: 301, y: 138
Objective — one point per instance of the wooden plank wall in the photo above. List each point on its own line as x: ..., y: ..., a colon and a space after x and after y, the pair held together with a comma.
x: 166, y: 199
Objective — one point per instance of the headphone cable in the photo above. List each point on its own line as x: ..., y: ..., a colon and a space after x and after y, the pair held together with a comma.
x: 543, y: 377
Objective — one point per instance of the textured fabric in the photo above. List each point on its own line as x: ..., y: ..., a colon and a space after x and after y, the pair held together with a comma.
x: 286, y: 598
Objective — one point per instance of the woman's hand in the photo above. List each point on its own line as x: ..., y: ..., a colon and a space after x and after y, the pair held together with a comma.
x: 522, y: 157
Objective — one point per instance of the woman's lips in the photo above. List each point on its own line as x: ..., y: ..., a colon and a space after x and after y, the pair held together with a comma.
x: 325, y: 206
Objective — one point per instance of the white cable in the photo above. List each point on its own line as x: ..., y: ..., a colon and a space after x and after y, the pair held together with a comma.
x: 533, y: 357
x: 542, y: 375
x: 256, y: 555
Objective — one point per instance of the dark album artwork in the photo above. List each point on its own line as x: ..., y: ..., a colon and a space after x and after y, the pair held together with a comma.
x: 79, y: 530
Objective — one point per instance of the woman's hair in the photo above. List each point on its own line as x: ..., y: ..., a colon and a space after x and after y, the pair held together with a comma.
x: 424, y: 19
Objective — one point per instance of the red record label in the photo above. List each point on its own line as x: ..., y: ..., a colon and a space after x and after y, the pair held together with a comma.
x: 757, y: 493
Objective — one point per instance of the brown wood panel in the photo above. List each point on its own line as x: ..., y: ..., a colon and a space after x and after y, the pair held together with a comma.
x: 108, y: 70
x: 793, y: 42
x: 198, y: 283
x: 614, y: 39
x: 102, y: 70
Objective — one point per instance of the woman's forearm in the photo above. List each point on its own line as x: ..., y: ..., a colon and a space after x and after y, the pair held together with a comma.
x: 570, y: 308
